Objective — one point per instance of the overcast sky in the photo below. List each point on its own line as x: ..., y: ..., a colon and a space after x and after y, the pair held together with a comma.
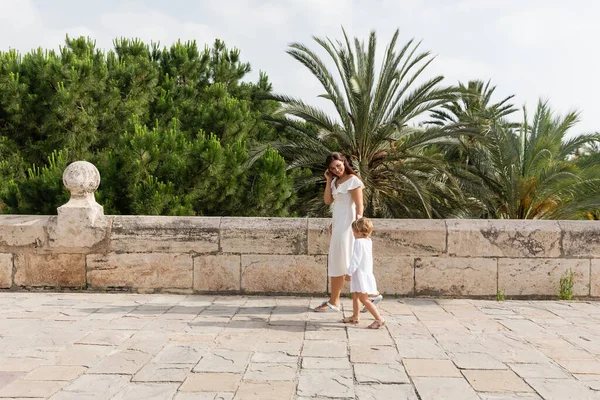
x: 531, y: 48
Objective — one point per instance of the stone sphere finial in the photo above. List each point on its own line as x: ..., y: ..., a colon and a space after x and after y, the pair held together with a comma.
x: 81, y: 178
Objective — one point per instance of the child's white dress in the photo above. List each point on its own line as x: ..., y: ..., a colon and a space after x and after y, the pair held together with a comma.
x: 361, y: 267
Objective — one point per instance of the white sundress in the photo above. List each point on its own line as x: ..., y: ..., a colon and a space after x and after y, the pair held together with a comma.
x: 361, y: 267
x: 342, y: 239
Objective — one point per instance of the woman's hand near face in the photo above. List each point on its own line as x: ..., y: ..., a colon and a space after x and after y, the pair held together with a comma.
x: 327, y: 196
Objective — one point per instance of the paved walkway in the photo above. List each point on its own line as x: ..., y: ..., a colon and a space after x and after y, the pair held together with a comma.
x: 126, y: 346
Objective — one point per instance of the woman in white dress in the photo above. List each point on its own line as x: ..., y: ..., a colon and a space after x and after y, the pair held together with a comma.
x: 344, y: 190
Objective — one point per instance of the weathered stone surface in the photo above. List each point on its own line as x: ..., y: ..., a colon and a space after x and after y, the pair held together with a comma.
x: 22, y: 231
x: 136, y: 270
x: 394, y: 275
x: 318, y: 235
x: 189, y: 353
x: 433, y: 368
x: 224, y: 361
x: 6, y: 268
x: 277, y: 273
x: 595, y: 278
x: 546, y: 370
x: 270, y: 372
x: 562, y: 389
x: 541, y: 276
x: 121, y: 362
x: 581, y: 238
x: 105, y: 337
x: 374, y: 354
x: 162, y: 373
x: 264, y: 235
x: 55, y: 373
x: 217, y: 273
x: 324, y: 348
x: 393, y: 237
x: 385, y: 392
x: 203, y: 382
x: 23, y: 389
x: 165, y: 234
x: 380, y: 373
x: 419, y: 348
x: 325, y: 363
x: 444, y: 388
x: 495, y: 381
x: 476, y: 360
x: 581, y: 366
x: 456, y: 276
x: 147, y: 391
x: 503, y: 238
x: 91, y: 386
x: 274, y: 357
x: 57, y: 270
x: 334, y: 383
x: 265, y: 391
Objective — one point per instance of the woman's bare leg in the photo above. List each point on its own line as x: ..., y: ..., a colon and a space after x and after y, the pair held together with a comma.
x: 337, y: 283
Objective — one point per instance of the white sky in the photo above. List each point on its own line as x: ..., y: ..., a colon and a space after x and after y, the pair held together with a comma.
x: 530, y: 48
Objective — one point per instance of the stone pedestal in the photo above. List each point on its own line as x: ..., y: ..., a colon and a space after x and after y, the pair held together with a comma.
x: 80, y: 222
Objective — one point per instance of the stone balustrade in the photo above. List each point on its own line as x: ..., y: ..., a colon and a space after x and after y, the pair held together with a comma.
x: 81, y: 248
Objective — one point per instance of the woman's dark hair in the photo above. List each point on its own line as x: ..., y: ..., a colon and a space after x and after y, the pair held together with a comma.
x: 340, y: 157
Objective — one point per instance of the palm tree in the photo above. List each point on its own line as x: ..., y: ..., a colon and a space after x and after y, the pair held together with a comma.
x: 528, y: 173
x: 402, y: 176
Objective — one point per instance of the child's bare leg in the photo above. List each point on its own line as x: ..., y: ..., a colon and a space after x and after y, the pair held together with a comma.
x: 364, y: 298
x: 355, y: 306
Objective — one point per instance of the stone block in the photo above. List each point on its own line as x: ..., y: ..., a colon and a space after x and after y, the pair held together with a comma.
x: 595, y: 278
x: 264, y: 235
x: 394, y: 275
x: 503, y: 238
x: 165, y: 234
x: 217, y: 273
x: 541, y: 276
x: 284, y: 274
x: 495, y: 381
x: 22, y: 231
x: 456, y: 276
x: 318, y: 235
x: 72, y: 232
x: 581, y: 238
x: 6, y: 268
x: 56, y: 270
x: 394, y: 237
x: 138, y: 270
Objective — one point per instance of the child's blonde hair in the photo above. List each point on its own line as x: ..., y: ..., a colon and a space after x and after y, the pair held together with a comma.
x: 363, y: 226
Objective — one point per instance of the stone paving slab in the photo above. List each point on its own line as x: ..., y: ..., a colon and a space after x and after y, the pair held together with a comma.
x: 125, y: 346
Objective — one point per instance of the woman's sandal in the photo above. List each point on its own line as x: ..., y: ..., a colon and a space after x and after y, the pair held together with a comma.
x: 378, y: 323
x: 350, y: 320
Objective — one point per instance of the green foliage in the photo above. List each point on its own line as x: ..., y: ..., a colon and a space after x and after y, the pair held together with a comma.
x: 500, y: 295
x: 566, y: 285
x: 517, y: 170
x: 177, y: 131
x: 168, y: 128
x: 403, y: 177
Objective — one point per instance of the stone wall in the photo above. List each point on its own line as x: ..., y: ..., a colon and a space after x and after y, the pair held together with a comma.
x: 83, y: 249
x: 275, y: 255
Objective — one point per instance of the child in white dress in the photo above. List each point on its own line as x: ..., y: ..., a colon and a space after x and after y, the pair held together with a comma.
x: 360, y: 273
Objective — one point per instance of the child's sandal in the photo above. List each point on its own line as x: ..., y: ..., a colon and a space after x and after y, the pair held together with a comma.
x: 378, y: 323
x: 350, y: 320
